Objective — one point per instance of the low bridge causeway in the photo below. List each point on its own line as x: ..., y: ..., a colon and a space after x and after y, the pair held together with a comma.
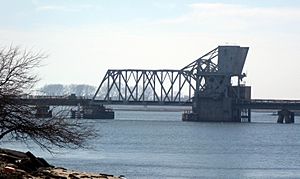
x: 82, y: 101
x: 269, y: 104
x: 286, y: 108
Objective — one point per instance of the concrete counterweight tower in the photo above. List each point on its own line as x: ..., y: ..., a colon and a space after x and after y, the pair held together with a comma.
x: 216, y: 94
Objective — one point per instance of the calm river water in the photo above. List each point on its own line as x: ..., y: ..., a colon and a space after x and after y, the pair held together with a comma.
x: 158, y: 145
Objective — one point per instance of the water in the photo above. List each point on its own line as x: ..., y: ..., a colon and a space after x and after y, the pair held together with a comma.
x: 144, y: 145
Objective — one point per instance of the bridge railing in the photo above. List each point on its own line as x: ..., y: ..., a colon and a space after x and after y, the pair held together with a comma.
x: 269, y: 101
x: 268, y: 104
x: 52, y: 97
x: 43, y: 97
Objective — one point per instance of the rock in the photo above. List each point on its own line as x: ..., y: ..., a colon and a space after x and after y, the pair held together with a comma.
x: 103, y: 174
x: 36, y: 163
x: 8, y: 158
x: 15, y: 164
x: 20, y: 171
x: 72, y: 176
x: 12, y: 165
x: 16, y: 154
x: 9, y: 170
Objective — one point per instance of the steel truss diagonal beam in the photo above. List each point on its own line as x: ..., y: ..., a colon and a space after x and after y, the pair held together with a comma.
x: 146, y: 85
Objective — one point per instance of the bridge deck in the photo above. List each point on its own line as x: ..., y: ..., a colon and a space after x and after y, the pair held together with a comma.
x: 246, y: 104
x: 269, y: 104
x: 55, y: 101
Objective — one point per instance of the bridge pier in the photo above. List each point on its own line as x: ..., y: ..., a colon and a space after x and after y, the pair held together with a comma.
x: 286, y: 116
x: 92, y: 111
x: 212, y: 110
x: 245, y: 115
x: 217, y: 110
x: 43, y: 111
x: 76, y: 114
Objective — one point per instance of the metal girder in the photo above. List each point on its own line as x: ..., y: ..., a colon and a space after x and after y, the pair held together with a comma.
x: 146, y: 85
x: 205, y: 65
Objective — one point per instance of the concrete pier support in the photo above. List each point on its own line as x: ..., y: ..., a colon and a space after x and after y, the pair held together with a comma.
x: 245, y: 115
x: 76, y: 114
x: 249, y: 115
x: 92, y: 112
x: 213, y: 110
x: 286, y: 116
x: 43, y: 112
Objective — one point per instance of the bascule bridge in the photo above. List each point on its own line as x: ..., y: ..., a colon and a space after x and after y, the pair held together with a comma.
x: 216, y: 95
x: 211, y: 84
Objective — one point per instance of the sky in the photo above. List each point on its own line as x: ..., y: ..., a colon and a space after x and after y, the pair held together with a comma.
x: 85, y: 38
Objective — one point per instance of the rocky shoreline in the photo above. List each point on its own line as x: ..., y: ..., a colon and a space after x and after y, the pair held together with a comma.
x: 16, y: 164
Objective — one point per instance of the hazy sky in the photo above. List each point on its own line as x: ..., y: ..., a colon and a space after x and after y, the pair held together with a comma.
x: 84, y: 38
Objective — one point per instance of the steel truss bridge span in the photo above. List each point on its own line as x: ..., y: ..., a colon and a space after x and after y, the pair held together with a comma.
x: 203, y: 76
x: 135, y: 85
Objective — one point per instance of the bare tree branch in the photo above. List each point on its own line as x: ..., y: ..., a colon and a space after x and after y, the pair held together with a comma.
x: 18, y: 120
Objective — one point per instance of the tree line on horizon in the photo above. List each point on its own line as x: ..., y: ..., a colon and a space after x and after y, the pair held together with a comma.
x: 83, y: 90
x: 88, y: 91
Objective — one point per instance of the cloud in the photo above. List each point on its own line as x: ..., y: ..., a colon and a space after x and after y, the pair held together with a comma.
x: 235, y: 16
x: 164, y: 5
x: 235, y: 10
x: 77, y: 8
x: 51, y: 8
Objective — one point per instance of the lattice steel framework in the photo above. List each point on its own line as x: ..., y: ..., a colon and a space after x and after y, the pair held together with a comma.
x: 199, y: 77
x: 146, y: 85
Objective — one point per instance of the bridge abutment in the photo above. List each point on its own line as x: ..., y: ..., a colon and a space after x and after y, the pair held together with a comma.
x: 43, y: 111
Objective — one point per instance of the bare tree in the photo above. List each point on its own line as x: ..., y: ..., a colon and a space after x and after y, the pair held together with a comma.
x: 53, y: 90
x: 83, y: 90
x: 17, y: 120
